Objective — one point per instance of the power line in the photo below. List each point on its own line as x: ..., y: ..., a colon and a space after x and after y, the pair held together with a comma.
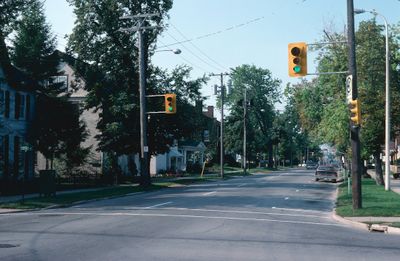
x: 198, y: 49
x: 215, y: 33
x: 195, y: 55
x: 189, y: 62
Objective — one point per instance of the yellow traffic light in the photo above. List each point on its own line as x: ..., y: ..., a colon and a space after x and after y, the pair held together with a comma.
x: 170, y: 103
x: 297, y: 59
x: 355, y: 112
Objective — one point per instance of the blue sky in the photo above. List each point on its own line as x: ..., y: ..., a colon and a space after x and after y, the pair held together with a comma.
x: 262, y: 43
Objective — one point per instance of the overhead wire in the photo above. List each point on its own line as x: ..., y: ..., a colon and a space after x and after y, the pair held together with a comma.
x: 215, y: 33
x: 194, y: 54
x: 188, y: 61
x: 198, y: 49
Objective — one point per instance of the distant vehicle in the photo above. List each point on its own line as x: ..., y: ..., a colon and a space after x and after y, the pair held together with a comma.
x: 311, y: 165
x: 327, y: 172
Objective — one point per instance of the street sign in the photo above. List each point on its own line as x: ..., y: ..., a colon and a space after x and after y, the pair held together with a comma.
x: 349, y: 88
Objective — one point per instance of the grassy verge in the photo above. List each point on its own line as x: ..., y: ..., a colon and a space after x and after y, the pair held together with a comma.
x: 70, y: 198
x: 375, y: 200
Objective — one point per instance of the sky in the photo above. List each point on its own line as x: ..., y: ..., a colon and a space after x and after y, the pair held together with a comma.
x: 229, y: 33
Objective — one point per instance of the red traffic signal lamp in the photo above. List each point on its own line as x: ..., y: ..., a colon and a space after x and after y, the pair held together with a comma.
x: 355, y: 112
x: 170, y: 103
x: 297, y: 62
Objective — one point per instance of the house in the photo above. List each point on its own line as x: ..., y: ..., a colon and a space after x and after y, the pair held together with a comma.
x: 17, y: 103
x: 189, y: 154
x: 76, y: 88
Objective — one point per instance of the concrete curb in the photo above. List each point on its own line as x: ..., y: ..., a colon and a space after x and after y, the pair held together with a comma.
x: 363, y: 226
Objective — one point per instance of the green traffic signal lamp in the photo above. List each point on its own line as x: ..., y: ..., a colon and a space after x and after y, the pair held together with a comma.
x: 297, y: 59
x: 170, y: 103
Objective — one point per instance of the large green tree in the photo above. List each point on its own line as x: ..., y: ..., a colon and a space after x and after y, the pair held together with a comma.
x: 33, y: 52
x: 321, y: 103
x: 262, y: 94
x: 107, y: 60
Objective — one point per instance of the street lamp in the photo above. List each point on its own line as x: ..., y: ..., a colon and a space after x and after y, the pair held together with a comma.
x: 387, y: 105
x: 175, y: 51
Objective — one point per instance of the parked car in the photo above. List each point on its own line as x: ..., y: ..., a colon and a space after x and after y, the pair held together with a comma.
x: 327, y: 172
x: 311, y: 165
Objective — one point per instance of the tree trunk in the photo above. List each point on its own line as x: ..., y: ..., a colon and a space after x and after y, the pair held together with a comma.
x: 270, y: 155
x: 378, y: 170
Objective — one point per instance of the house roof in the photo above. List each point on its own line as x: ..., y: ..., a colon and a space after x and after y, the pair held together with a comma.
x: 14, y: 77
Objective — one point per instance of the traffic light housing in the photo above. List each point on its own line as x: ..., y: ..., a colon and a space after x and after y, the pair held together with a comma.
x: 170, y: 103
x: 297, y: 62
x: 355, y: 111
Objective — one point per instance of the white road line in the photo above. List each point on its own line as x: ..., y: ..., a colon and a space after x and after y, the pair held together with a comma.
x: 286, y: 198
x: 253, y: 212
x: 209, y: 193
x: 191, y: 216
x: 241, y: 185
x: 159, y: 205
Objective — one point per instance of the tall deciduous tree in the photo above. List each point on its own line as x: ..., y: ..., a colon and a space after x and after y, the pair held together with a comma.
x: 33, y: 52
x: 262, y: 94
x: 108, y: 63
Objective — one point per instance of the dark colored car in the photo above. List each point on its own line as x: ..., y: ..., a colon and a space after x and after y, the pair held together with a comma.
x: 311, y: 165
x: 326, y: 172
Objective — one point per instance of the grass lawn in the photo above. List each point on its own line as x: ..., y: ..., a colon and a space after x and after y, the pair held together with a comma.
x: 376, y: 202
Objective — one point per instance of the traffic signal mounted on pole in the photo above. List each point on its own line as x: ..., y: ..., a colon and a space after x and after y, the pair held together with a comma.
x: 170, y: 103
x: 355, y: 110
x: 297, y: 59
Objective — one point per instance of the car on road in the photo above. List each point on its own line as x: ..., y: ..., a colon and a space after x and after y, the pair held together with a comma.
x: 327, y: 173
x: 311, y: 165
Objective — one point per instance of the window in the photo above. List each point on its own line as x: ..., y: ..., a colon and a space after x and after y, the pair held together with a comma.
x: 22, y: 106
x: 7, y: 104
x: 19, y: 106
x: 16, y: 156
x: 2, y: 105
x: 4, y: 156
x: 17, y: 101
x: 28, y: 107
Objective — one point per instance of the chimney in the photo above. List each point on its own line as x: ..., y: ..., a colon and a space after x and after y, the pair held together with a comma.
x: 210, y: 112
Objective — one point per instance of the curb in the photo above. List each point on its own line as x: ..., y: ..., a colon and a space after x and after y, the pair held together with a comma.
x: 364, y: 226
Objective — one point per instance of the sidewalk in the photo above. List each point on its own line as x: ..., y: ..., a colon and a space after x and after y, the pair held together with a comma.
x: 7, y: 199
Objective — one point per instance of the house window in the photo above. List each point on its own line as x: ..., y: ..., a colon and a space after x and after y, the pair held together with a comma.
x: 7, y: 104
x: 2, y: 97
x: 22, y: 106
x: 19, y: 106
x: 4, y: 156
x: 16, y: 156
x: 28, y: 106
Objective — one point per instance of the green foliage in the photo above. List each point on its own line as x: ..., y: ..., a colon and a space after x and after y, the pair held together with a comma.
x: 56, y: 129
x: 33, y: 52
x: 321, y: 105
x: 262, y: 94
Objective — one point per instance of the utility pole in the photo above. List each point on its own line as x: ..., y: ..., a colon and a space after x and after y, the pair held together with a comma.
x: 354, y: 130
x: 222, y: 92
x: 244, y: 131
x: 144, y: 149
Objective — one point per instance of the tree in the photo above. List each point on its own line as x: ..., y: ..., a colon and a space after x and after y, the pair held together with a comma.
x: 107, y: 60
x: 262, y: 93
x: 321, y: 102
x: 33, y: 52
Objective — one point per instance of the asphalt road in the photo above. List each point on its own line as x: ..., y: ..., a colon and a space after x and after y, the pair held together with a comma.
x: 279, y: 216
